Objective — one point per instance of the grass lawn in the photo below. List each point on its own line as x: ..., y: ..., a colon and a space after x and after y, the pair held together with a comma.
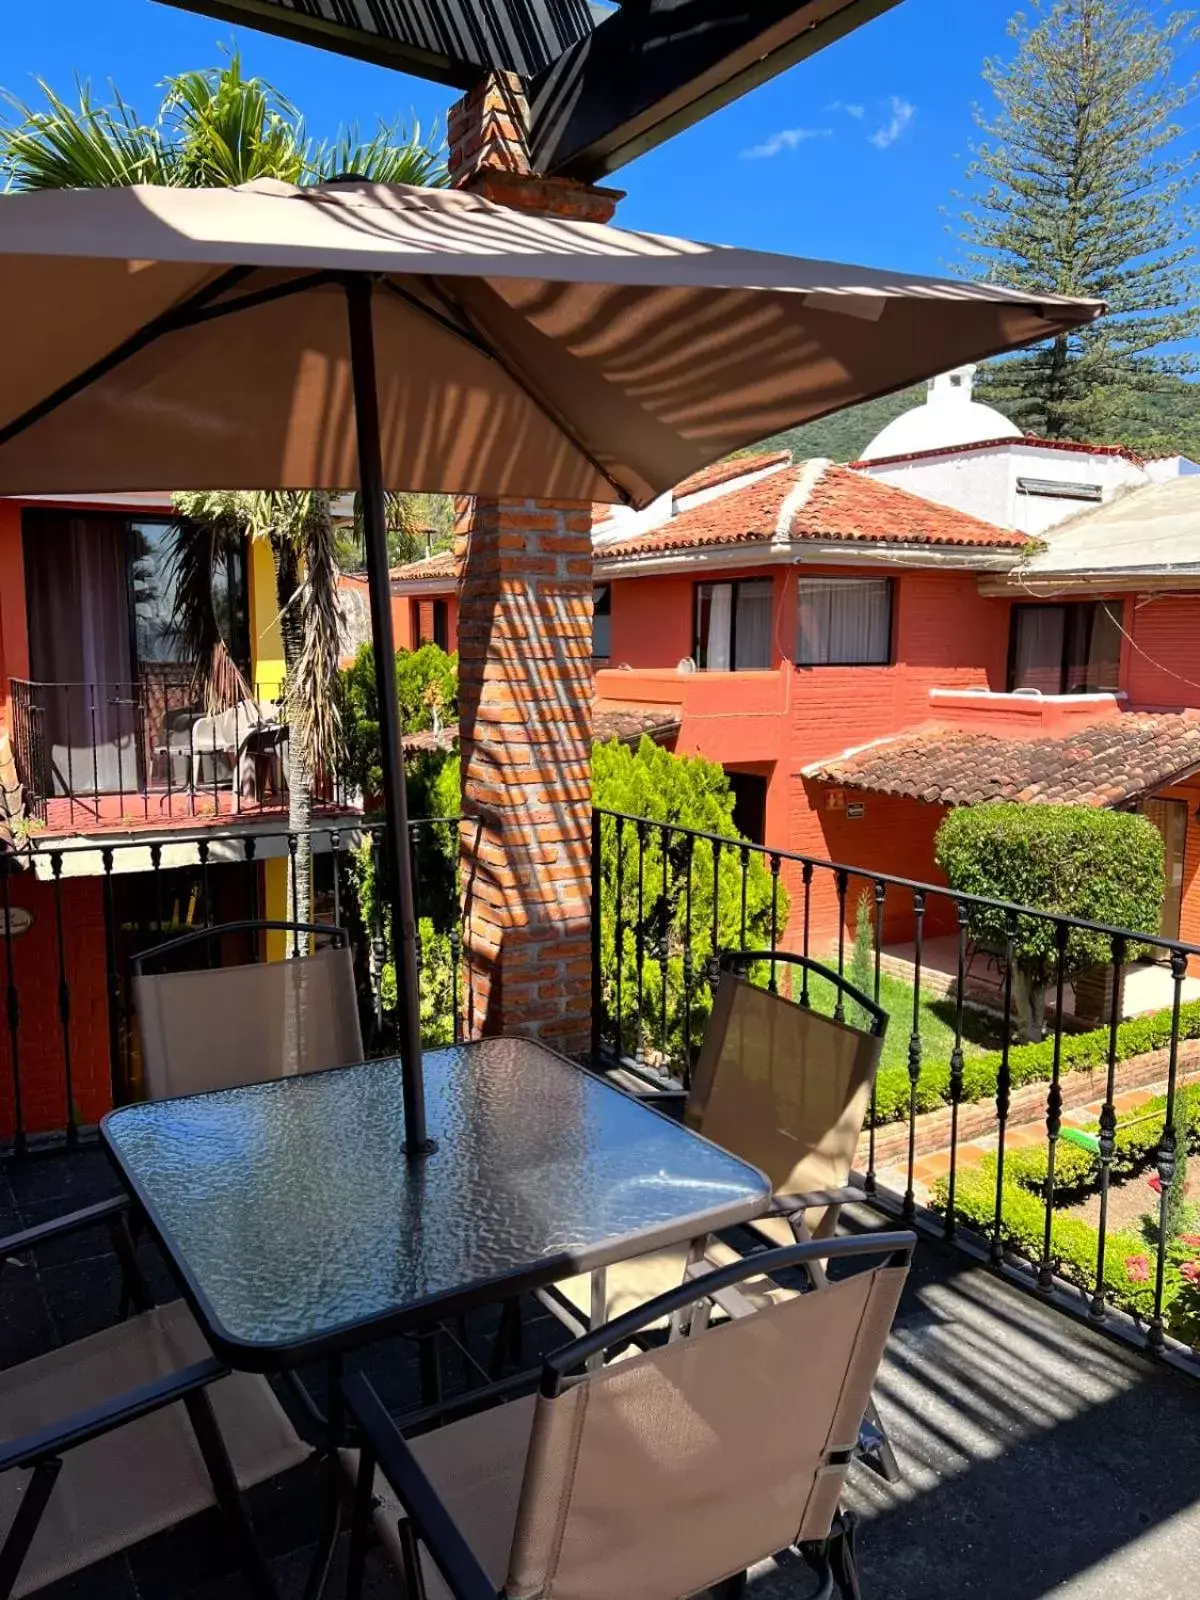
x: 982, y: 1030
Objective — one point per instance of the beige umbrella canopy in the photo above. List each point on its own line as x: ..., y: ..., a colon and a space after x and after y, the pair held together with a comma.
x: 516, y: 355
x: 352, y: 335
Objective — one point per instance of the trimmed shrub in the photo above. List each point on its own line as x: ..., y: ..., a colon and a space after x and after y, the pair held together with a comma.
x: 1029, y: 1063
x: 1079, y: 861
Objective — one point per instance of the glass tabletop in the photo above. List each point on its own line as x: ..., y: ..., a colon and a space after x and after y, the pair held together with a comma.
x: 299, y: 1226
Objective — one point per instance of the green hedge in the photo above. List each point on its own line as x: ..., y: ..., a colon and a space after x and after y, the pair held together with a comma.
x: 1137, y: 1141
x: 1129, y: 1262
x: 1028, y: 1063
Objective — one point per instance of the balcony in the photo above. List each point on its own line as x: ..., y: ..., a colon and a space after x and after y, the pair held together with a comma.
x: 96, y: 757
x: 1026, y: 1386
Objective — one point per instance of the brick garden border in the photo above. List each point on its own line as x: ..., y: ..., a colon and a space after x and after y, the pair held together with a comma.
x: 977, y: 1118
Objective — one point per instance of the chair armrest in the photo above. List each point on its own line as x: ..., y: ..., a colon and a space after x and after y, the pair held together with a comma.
x: 60, y: 1227
x: 43, y: 1444
x: 790, y: 1205
x: 455, y: 1559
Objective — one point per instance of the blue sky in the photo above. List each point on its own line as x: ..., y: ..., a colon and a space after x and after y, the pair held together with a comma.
x: 852, y: 155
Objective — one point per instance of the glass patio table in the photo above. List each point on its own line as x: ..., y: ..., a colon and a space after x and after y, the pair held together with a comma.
x: 300, y: 1229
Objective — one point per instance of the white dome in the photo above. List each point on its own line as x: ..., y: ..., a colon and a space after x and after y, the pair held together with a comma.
x: 948, y: 417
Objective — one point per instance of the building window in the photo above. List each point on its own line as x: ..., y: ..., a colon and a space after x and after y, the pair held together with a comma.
x: 1065, y: 649
x: 441, y: 632
x: 602, y: 620
x: 749, y: 804
x: 844, y: 622
x: 733, y: 625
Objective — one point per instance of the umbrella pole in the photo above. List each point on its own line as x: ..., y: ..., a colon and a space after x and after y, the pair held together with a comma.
x: 395, y: 801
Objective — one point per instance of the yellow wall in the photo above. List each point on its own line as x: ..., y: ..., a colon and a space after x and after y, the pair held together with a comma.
x: 266, y: 671
x: 266, y: 640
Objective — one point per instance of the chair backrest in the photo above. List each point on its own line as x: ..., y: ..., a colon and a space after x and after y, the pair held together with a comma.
x: 664, y: 1473
x: 781, y: 1084
x: 220, y: 1027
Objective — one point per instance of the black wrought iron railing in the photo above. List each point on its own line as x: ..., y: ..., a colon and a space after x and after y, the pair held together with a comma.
x: 1061, y: 1161
x: 73, y: 917
x: 90, y: 753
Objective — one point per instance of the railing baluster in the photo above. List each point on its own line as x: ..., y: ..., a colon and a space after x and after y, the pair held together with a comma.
x: 597, y: 1019
x: 807, y: 878
x: 745, y: 854
x: 1097, y: 1310
x: 664, y: 950
x: 1046, y: 1266
x: 335, y: 853
x: 95, y: 753
x: 156, y: 869
x: 70, y: 763
x: 1003, y: 1087
x: 880, y: 893
x: 956, y: 1066
x: 114, y: 984
x: 775, y: 866
x: 12, y: 1011
x: 689, y: 848
x: 250, y: 852
x: 619, y: 939
x: 714, y: 960
x: 64, y: 999
x: 640, y: 940
x: 914, y: 1054
x: 842, y: 880
x: 1168, y: 1150
x: 206, y: 889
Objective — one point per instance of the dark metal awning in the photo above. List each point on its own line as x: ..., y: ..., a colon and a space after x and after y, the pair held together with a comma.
x: 606, y: 82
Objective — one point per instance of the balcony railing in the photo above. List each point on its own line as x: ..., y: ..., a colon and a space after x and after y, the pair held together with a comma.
x: 72, y: 917
x: 90, y: 754
x: 1058, y: 1162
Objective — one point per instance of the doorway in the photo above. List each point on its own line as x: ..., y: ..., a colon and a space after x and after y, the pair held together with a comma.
x: 1170, y: 818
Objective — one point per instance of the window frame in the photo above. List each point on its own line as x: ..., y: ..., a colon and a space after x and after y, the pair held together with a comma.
x: 734, y: 584
x: 1117, y: 607
x: 602, y: 655
x: 888, y: 659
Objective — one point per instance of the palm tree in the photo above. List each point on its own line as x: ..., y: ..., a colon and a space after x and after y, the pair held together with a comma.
x: 217, y: 128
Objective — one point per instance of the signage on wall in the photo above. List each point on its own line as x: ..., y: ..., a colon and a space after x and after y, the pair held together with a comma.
x: 15, y: 922
x: 835, y: 800
x: 855, y: 810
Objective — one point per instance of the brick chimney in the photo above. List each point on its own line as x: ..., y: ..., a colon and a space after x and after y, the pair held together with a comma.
x: 525, y: 678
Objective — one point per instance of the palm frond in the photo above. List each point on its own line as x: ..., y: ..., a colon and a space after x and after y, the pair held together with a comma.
x: 206, y: 529
x: 395, y: 154
x: 230, y: 129
x: 302, y: 520
x: 81, y: 147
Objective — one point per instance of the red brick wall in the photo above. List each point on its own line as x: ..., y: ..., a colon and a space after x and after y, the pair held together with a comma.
x: 39, y: 1038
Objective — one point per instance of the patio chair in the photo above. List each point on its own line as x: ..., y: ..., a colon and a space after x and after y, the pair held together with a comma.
x: 652, y: 1478
x: 125, y: 1433
x: 219, y: 1027
x: 780, y: 1084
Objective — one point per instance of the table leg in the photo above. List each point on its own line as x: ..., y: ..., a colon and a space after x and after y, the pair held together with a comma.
x: 331, y: 1521
x: 599, y: 1312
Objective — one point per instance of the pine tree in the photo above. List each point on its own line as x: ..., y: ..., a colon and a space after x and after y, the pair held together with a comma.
x: 1082, y: 184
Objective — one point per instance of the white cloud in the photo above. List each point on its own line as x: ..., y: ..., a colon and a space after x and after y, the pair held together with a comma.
x: 902, y: 113
x: 852, y: 109
x: 785, y: 139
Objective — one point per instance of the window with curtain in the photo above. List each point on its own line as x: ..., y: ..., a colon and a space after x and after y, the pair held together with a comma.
x: 844, y: 622
x: 1066, y: 649
x: 733, y: 625
x: 602, y: 620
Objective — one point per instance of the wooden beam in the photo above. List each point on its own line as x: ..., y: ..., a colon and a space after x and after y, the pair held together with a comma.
x: 656, y: 67
x: 446, y: 41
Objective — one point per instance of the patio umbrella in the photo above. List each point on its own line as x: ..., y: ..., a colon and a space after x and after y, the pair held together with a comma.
x: 354, y: 335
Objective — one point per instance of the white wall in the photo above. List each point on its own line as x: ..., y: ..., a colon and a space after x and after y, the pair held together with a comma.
x: 984, y: 482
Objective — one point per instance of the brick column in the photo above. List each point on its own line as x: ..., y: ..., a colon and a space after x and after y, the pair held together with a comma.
x: 525, y: 681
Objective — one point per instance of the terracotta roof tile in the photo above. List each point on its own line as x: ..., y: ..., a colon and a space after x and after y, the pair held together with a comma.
x: 613, y: 720
x: 1032, y: 439
x: 725, y: 471
x: 441, y: 565
x: 1102, y: 764
x: 825, y: 501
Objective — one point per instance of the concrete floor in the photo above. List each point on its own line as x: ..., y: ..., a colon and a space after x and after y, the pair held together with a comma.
x: 1039, y: 1459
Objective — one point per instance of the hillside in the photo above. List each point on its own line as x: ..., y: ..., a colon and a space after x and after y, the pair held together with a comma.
x: 1163, y: 422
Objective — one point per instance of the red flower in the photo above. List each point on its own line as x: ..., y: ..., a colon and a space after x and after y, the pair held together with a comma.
x: 1191, y: 1271
x: 1138, y: 1268
x: 1190, y: 1239
x: 1155, y: 1184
